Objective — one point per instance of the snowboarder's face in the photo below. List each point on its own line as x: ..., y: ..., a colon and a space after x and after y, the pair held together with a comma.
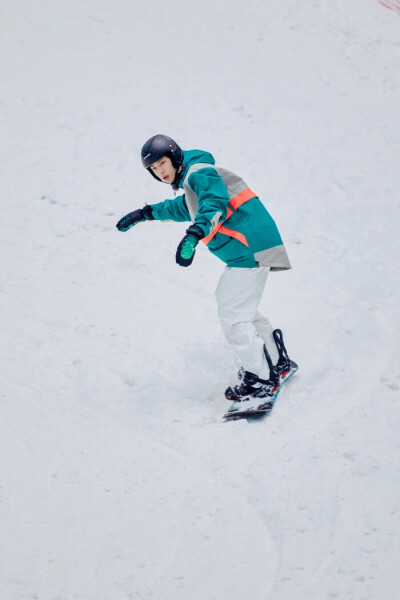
x: 164, y: 169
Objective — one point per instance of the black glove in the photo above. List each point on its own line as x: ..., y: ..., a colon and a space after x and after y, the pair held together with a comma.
x: 131, y: 219
x: 187, y: 248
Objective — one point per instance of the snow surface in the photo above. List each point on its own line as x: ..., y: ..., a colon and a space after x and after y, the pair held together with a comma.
x: 118, y: 479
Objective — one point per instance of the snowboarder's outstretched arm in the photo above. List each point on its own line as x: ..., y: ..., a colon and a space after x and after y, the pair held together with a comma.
x: 169, y: 210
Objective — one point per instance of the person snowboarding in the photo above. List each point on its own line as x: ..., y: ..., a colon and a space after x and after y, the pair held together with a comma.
x: 231, y: 220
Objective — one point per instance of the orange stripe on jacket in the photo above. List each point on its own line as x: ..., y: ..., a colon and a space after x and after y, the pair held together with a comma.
x: 235, y: 234
x: 242, y: 198
x: 235, y: 203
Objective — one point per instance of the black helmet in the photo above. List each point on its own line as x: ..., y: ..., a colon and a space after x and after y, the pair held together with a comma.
x: 158, y: 146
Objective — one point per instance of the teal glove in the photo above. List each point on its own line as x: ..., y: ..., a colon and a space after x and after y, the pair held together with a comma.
x: 187, y: 247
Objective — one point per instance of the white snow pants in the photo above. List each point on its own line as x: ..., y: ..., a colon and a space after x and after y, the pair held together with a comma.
x: 238, y: 295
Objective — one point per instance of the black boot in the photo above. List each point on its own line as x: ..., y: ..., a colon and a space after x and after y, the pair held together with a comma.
x: 252, y: 386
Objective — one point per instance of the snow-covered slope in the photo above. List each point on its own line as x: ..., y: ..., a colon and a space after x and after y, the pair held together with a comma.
x: 118, y: 479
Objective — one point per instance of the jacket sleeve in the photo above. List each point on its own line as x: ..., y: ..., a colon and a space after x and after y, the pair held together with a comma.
x: 171, y: 210
x: 212, y: 197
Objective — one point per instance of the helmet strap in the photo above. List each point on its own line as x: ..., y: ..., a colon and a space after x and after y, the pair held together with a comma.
x: 178, y: 176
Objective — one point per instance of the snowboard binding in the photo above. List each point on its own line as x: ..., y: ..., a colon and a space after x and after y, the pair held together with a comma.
x: 252, y: 386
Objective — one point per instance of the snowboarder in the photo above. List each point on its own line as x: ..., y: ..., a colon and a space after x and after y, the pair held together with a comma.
x: 231, y: 220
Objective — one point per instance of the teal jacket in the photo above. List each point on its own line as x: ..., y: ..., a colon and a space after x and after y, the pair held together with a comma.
x: 238, y: 228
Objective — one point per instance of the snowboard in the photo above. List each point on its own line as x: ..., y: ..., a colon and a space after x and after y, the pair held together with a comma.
x: 258, y: 407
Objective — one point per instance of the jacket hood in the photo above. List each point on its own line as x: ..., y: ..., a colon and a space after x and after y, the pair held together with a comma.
x: 191, y: 157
